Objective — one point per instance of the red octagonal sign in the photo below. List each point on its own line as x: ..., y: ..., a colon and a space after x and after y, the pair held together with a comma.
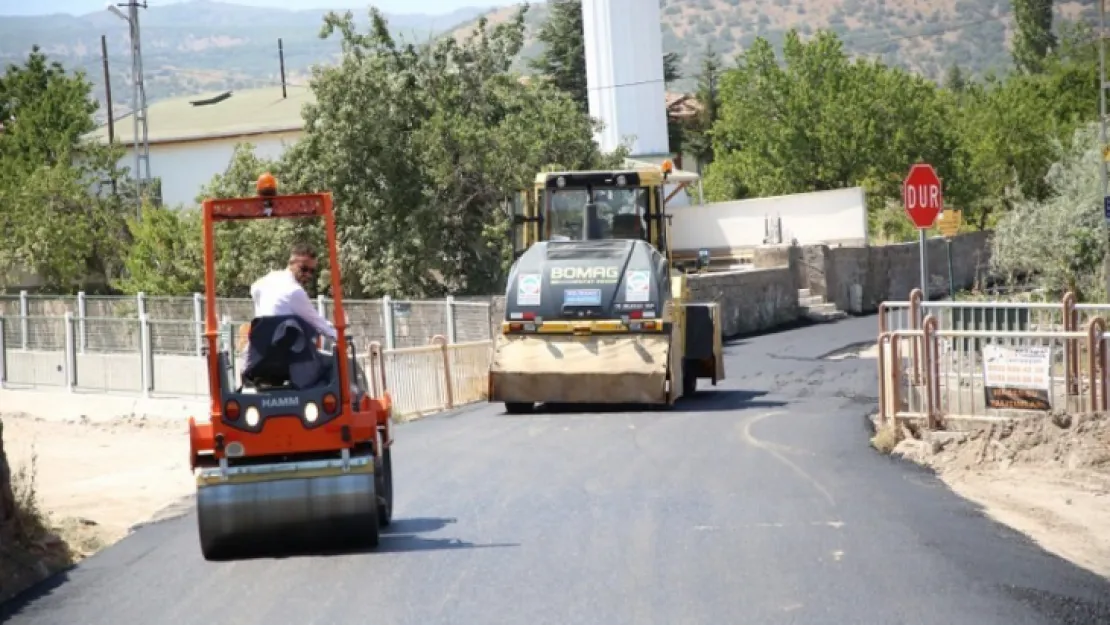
x: 922, y: 196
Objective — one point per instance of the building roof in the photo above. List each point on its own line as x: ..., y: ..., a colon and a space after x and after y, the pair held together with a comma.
x: 256, y: 111
x: 682, y: 105
x: 227, y: 114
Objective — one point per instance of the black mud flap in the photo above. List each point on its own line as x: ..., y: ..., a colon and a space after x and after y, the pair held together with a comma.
x: 700, y: 332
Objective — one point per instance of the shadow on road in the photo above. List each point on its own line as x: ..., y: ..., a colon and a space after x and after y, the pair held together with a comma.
x: 402, y: 536
x: 717, y: 400
x: 706, y: 400
x: 15, y: 605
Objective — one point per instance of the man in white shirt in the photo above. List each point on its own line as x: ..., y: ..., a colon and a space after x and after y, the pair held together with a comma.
x: 281, y: 292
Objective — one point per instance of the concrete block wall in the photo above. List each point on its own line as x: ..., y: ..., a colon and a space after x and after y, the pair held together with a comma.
x: 751, y: 301
x: 107, y: 372
x: 890, y: 272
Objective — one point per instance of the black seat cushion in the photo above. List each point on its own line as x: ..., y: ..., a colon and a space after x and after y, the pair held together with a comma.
x: 282, y: 351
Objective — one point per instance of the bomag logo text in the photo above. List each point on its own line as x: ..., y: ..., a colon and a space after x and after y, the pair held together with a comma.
x: 583, y: 274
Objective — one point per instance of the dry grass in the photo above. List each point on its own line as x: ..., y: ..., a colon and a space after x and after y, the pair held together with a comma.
x: 887, y: 436
x: 31, y: 549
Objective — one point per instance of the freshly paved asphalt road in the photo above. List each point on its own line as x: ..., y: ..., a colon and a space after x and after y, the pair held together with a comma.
x: 758, y: 503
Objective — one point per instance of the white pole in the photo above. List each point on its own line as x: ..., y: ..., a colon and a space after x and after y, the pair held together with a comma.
x: 924, y: 266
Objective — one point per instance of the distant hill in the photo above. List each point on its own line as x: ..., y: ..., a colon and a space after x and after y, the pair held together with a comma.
x: 202, y: 45
x: 198, y: 46
x: 925, y: 36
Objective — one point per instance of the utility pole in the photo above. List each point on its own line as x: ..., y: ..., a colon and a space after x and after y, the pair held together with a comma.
x: 108, y: 100
x: 107, y: 89
x: 1102, y: 86
x: 141, y: 144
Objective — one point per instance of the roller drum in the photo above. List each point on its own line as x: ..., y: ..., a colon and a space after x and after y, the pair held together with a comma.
x: 275, y: 513
x: 621, y: 368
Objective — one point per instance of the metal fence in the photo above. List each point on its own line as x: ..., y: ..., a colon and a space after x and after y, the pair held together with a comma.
x: 420, y: 379
x: 988, y: 361
x: 176, y: 323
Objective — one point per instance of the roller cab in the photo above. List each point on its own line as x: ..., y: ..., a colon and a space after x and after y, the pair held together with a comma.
x: 296, y: 448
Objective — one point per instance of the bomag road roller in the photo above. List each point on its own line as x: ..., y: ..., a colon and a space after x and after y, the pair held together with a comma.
x: 296, y: 447
x: 596, y: 311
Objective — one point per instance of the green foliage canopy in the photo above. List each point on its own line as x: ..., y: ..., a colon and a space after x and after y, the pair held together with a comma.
x: 58, y: 217
x: 422, y: 147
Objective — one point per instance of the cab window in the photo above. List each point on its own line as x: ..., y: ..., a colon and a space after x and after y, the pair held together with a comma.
x: 606, y: 213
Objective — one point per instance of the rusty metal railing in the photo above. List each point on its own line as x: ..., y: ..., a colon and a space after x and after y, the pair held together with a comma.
x: 934, y: 374
x: 430, y: 378
x: 980, y: 316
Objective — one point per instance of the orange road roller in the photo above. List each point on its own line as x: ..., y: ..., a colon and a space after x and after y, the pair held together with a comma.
x: 295, y: 447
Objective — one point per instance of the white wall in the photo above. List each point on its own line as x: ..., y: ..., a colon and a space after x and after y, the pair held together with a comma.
x: 828, y: 217
x: 186, y: 167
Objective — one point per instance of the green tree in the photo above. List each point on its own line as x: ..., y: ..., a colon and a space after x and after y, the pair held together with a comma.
x: 165, y: 256
x: 1034, y: 38
x: 672, y: 68
x: 1058, y: 243
x: 563, y: 59
x: 1008, y: 128
x: 699, y: 140
x: 1069, y: 80
x: 449, y: 134
x: 954, y: 79
x: 58, y: 217
x: 818, y: 121
x: 421, y: 147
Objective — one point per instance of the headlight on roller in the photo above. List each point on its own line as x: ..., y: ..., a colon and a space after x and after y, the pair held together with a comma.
x: 253, y: 417
x: 311, y: 412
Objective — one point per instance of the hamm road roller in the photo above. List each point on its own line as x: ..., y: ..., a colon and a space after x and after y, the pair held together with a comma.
x: 596, y: 309
x: 296, y: 447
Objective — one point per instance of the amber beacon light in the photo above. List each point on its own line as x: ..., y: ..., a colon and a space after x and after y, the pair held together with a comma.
x: 266, y: 185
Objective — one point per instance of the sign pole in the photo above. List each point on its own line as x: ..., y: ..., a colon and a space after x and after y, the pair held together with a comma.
x: 951, y: 282
x: 949, y: 225
x: 924, y: 265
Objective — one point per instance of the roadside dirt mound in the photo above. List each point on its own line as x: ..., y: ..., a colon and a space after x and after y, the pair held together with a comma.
x: 1053, y: 441
x: 29, y: 551
x: 75, y: 487
x: 1048, y: 477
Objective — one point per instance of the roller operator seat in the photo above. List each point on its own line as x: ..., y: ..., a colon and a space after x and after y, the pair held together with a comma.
x: 627, y: 226
x: 281, y: 352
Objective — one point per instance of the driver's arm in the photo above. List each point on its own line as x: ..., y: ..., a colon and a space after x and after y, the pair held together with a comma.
x: 303, y: 308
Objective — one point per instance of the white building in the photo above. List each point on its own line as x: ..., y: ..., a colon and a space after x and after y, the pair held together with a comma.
x: 192, y: 138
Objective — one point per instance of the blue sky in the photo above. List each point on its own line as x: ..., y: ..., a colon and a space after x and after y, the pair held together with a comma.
x: 80, y: 7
